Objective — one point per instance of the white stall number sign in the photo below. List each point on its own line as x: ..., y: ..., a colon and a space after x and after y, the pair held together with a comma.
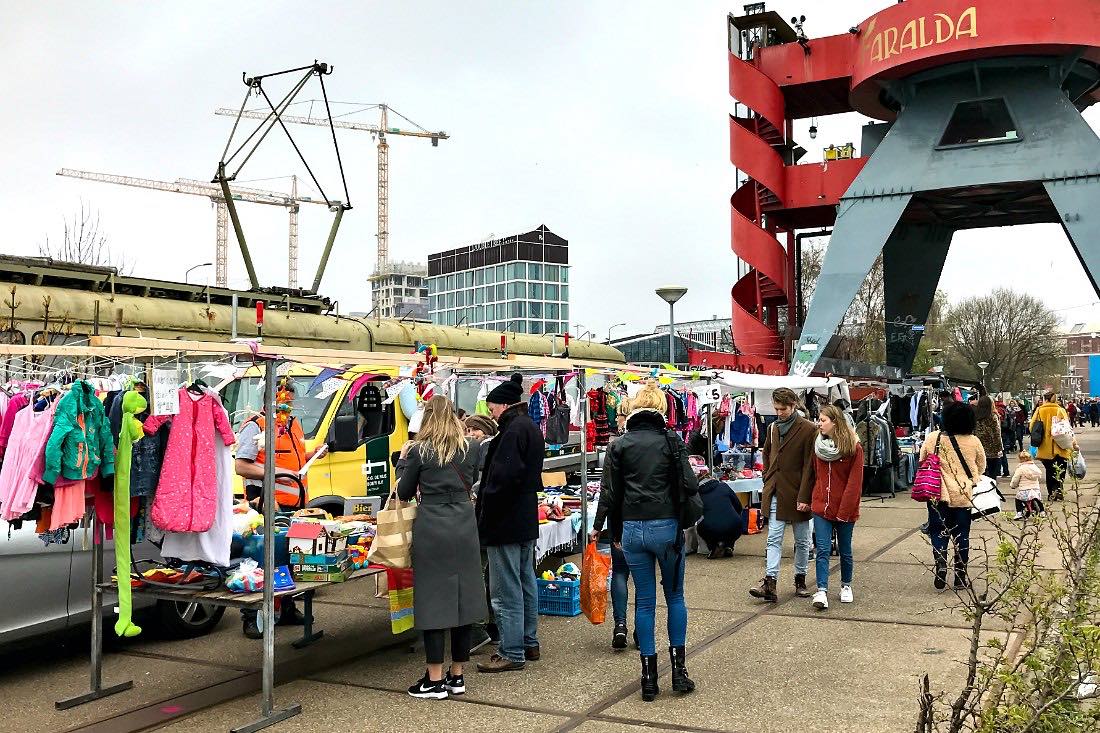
x: 709, y: 395
x: 166, y: 396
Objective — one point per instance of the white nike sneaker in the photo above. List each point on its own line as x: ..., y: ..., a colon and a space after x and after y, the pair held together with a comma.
x: 846, y: 594
x: 821, y: 600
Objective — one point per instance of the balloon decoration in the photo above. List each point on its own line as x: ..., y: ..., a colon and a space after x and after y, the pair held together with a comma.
x: 284, y: 403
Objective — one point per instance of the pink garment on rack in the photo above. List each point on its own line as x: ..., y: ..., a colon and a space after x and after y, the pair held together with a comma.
x: 187, y: 494
x: 69, y: 501
x: 15, y: 404
x: 18, y: 485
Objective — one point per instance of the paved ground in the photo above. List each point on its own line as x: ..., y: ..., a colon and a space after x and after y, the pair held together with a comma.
x: 758, y: 667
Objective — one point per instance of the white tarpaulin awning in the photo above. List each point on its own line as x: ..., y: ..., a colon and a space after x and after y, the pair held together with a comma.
x: 768, y: 381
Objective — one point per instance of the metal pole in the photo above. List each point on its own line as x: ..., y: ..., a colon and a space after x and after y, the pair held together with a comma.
x: 671, y: 334
x: 232, y: 207
x: 584, y: 456
x: 97, y: 604
x: 234, y: 303
x: 270, y: 374
x: 328, y: 250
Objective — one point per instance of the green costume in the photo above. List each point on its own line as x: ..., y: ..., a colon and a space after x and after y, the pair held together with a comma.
x: 132, y: 402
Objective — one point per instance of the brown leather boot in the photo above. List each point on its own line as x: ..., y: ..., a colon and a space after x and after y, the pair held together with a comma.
x: 800, y: 588
x: 766, y: 590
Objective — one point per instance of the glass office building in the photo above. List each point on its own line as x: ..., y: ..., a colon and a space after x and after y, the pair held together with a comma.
x: 516, y: 283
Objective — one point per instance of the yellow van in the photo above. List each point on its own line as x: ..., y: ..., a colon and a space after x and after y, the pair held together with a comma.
x: 362, y: 433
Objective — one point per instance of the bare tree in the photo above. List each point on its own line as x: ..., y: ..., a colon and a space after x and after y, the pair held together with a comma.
x: 83, y: 243
x: 864, y: 325
x: 1011, y: 331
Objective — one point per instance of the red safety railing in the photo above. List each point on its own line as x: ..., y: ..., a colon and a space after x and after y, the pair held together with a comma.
x: 758, y: 124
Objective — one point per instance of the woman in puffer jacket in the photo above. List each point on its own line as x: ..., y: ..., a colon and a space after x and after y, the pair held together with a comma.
x: 838, y: 487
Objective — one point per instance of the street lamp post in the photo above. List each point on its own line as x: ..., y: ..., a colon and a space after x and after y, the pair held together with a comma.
x: 982, y: 365
x: 671, y: 294
x: 609, y: 330
x: 187, y: 274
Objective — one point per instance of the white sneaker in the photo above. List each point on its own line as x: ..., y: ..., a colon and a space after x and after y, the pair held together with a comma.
x: 821, y: 600
x: 1019, y: 516
x: 846, y: 594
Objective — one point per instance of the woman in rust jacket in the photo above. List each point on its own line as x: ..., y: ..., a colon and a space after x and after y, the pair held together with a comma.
x: 838, y: 487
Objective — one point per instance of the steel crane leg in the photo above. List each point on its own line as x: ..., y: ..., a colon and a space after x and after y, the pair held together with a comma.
x: 912, y: 262
x: 862, y: 228
x: 1076, y: 201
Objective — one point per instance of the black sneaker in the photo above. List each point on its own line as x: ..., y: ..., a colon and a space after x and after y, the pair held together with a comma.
x: 456, y: 685
x: 618, y: 637
x: 425, y: 689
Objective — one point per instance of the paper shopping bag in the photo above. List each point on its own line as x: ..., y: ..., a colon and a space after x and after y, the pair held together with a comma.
x: 392, y: 546
x: 400, y: 584
x: 594, y: 584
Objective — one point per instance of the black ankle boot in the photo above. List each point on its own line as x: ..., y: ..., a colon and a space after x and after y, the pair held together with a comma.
x: 649, y: 678
x: 941, y: 570
x: 680, y: 680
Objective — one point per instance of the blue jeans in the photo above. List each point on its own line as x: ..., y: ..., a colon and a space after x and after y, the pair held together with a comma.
x: 948, y: 522
x: 646, y: 544
x: 776, y: 528
x: 823, y: 530
x: 515, y: 597
x: 620, y: 573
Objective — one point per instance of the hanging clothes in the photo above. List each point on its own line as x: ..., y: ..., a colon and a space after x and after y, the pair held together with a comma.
x: 130, y: 431
x: 186, y: 496
x: 18, y: 484
x: 15, y: 404
x: 80, y: 442
x: 597, y: 407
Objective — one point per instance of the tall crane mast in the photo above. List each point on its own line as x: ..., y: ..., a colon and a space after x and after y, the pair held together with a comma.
x: 381, y: 130
x: 214, y: 192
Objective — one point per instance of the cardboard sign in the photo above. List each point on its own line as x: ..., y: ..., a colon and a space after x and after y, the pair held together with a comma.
x: 166, y: 396
x: 710, y: 394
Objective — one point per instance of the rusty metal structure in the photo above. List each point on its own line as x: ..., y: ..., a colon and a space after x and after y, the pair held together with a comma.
x: 976, y: 109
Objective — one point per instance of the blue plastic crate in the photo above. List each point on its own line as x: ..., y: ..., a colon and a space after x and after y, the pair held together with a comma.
x: 559, y: 597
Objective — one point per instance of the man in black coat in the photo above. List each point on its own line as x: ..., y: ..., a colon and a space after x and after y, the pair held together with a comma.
x: 508, y: 521
x: 722, y: 522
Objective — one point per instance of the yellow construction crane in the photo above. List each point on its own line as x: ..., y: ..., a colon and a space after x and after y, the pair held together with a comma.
x: 380, y: 131
x: 212, y: 191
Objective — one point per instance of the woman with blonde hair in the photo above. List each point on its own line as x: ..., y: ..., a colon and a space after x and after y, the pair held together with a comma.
x: 440, y: 467
x: 837, y: 489
x: 641, y: 472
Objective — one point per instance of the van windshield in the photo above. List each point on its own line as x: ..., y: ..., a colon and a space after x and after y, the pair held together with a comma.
x: 244, y: 398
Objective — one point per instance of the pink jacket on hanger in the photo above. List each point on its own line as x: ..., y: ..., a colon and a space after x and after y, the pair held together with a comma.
x: 15, y: 404
x: 187, y: 494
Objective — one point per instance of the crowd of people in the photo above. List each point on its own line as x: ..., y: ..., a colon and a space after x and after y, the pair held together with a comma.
x: 477, y: 482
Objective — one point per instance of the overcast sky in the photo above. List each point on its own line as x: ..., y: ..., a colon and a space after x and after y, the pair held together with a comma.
x: 606, y: 121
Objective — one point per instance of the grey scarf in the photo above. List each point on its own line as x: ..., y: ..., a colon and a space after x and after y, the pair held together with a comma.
x: 786, y: 425
x: 826, y: 449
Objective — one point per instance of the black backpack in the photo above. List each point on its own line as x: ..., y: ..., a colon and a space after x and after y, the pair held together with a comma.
x: 685, y: 496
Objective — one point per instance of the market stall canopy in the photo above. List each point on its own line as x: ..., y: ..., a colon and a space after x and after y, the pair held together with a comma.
x: 742, y: 380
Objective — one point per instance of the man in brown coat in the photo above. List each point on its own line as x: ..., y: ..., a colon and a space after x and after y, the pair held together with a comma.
x: 788, y: 486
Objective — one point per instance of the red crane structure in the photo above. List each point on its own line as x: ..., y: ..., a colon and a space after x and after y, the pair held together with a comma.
x: 976, y: 122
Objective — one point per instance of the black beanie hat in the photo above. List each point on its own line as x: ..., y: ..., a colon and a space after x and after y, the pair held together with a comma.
x: 508, y: 393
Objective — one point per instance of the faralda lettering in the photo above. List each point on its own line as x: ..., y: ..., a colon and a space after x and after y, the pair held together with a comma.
x: 919, y: 33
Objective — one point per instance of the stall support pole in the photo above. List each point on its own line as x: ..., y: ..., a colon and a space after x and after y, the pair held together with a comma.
x: 584, y: 459
x: 97, y: 690
x: 268, y: 714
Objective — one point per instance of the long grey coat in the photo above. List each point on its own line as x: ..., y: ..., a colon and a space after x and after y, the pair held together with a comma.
x: 449, y: 589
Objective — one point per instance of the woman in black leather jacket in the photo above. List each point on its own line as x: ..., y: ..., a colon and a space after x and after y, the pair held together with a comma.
x: 639, y: 478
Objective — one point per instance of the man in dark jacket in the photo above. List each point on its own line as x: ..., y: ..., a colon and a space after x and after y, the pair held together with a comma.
x: 788, y: 485
x: 722, y: 522
x: 508, y: 520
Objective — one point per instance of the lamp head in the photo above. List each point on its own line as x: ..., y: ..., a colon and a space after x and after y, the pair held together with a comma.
x: 671, y: 294
x: 983, y: 364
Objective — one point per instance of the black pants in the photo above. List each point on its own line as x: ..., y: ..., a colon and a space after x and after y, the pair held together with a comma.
x: 434, y: 640
x: 1057, y: 468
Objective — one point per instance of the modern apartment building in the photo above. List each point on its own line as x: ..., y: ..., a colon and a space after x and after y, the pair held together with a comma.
x: 516, y: 283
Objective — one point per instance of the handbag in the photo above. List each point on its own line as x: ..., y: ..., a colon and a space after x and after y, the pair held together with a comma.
x: 1038, y: 432
x: 928, y: 482
x: 986, y: 498
x: 392, y: 546
x: 1062, y: 432
x: 688, y: 504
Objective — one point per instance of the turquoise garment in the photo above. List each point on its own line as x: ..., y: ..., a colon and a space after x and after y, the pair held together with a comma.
x: 80, y: 442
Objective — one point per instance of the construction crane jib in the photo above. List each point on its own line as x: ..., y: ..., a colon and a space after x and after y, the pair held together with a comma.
x: 380, y: 131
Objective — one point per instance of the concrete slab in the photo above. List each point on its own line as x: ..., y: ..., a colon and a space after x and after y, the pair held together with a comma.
x: 341, y: 708
x: 917, y: 549
x: 347, y: 626
x: 810, y: 675
x: 31, y: 687
x: 898, y: 594
x: 893, y: 514
x: 578, y: 666
x: 605, y: 726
